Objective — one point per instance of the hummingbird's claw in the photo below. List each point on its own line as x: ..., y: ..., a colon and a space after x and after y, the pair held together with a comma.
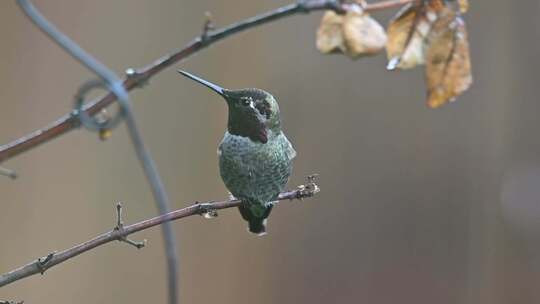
x: 232, y: 197
x: 309, y: 189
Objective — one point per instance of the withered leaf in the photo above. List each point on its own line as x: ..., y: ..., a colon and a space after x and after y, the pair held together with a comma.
x: 435, y: 5
x: 448, y: 66
x: 329, y: 34
x: 354, y: 34
x: 463, y: 6
x: 406, y: 35
x: 362, y: 34
x: 438, y: 5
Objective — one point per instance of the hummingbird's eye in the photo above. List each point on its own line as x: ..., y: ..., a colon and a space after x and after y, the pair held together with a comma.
x: 245, y: 101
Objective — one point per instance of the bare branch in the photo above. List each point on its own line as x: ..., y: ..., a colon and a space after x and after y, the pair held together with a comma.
x: 137, y: 77
x: 42, y: 264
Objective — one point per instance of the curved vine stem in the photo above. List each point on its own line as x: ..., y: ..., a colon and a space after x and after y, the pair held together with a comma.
x: 116, y: 87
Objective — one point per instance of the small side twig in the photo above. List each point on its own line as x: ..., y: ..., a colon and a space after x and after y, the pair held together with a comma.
x: 53, y: 259
x: 208, y: 26
x: 122, y: 237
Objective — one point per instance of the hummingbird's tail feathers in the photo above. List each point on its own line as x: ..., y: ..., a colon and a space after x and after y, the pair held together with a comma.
x: 257, y: 226
x: 256, y: 223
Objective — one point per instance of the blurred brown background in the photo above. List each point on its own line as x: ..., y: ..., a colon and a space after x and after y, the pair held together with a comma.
x: 417, y: 205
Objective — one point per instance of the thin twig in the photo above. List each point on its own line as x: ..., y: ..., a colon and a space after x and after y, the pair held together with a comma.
x: 42, y: 264
x: 117, y: 88
x: 136, y: 77
x: 120, y: 228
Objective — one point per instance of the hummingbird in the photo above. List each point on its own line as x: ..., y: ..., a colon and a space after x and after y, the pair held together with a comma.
x: 255, y: 156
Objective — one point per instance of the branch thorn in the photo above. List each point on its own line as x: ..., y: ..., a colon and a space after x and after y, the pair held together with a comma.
x: 42, y: 262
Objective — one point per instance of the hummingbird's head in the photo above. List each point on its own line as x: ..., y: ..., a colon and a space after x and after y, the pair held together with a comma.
x: 253, y: 113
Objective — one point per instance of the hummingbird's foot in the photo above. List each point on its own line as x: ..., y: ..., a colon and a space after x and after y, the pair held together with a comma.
x: 309, y: 189
x: 232, y: 197
x: 120, y: 229
x: 272, y: 203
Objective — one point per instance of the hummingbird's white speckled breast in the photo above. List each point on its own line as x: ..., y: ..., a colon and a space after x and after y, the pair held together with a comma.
x: 254, y: 171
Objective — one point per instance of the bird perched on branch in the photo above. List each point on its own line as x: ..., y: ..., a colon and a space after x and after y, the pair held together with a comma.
x: 255, y: 157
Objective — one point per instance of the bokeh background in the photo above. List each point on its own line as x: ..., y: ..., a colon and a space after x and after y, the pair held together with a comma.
x: 417, y: 205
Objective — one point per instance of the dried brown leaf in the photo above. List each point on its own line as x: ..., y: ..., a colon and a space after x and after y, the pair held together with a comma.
x: 463, y: 6
x: 448, y: 70
x: 435, y: 5
x: 354, y: 34
x: 362, y: 34
x: 406, y: 36
x: 329, y: 34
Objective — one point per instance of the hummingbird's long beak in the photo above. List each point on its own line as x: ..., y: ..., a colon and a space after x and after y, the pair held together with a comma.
x: 214, y: 87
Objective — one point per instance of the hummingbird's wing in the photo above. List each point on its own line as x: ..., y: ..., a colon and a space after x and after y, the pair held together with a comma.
x: 288, y: 148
